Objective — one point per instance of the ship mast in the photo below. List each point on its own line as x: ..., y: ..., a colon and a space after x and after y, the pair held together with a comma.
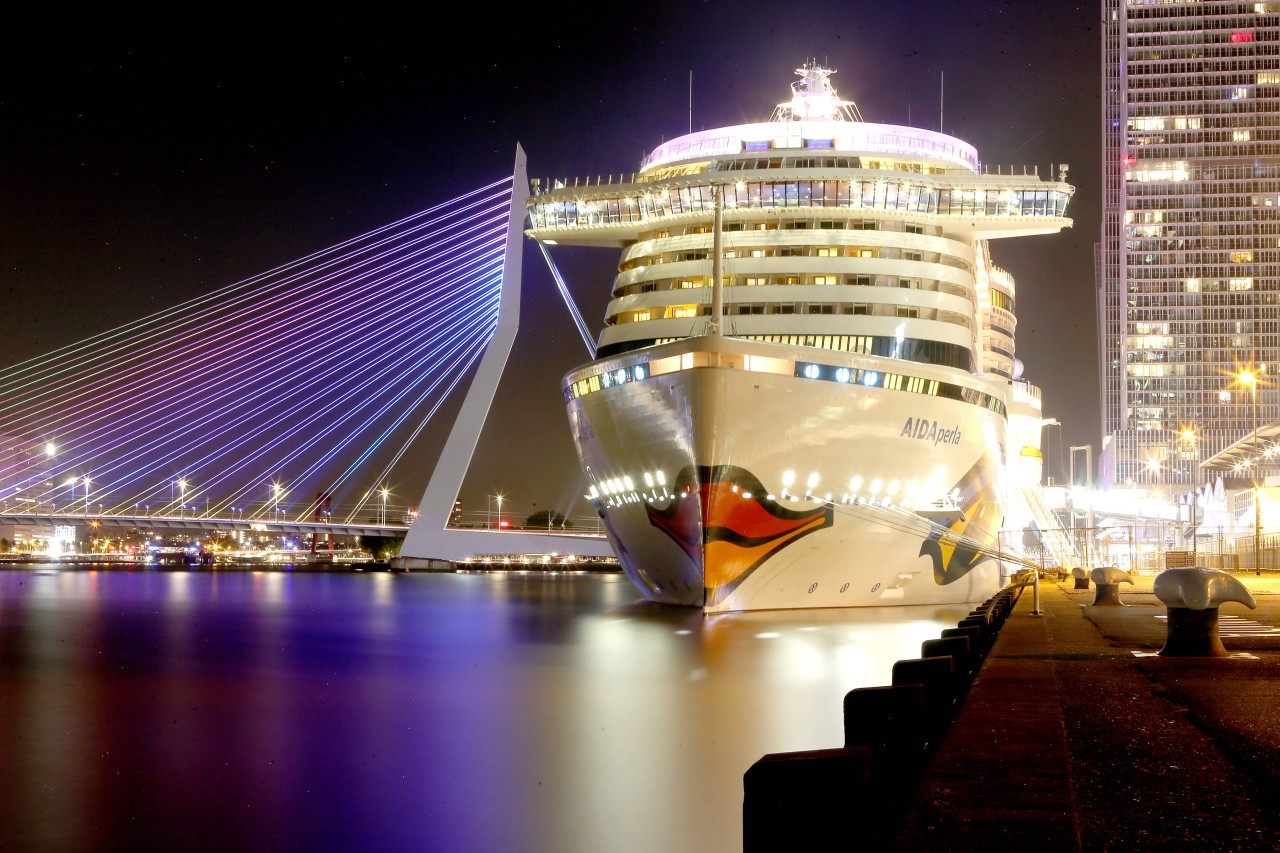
x: 717, y: 263
x: 813, y: 98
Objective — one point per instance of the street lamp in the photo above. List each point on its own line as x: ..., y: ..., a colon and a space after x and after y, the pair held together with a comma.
x: 1189, y: 438
x: 182, y: 495
x: 86, y: 495
x: 382, y: 517
x: 1088, y: 473
x: 1248, y: 377
x: 1157, y: 476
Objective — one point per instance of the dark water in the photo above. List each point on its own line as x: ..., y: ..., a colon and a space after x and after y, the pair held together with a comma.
x: 270, y: 710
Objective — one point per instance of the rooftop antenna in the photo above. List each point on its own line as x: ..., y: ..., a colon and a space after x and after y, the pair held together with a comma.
x: 942, y: 88
x: 691, y: 100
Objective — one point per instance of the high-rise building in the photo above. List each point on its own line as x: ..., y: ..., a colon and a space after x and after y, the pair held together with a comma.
x: 1188, y: 266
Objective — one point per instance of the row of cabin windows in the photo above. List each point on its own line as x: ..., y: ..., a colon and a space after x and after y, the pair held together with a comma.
x: 827, y: 279
x: 906, y: 349
x: 882, y: 252
x: 798, y: 225
x: 810, y: 162
x: 873, y: 309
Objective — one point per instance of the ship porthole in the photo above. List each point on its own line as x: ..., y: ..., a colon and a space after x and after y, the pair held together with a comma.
x: 812, y: 587
x: 844, y: 588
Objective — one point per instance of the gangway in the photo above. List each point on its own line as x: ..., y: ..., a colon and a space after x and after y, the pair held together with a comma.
x: 1056, y: 542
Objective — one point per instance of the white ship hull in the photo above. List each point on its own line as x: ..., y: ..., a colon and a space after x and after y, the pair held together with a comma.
x: 746, y: 484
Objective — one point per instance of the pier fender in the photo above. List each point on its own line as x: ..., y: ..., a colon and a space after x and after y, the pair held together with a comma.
x: 1107, y: 580
x: 1192, y: 595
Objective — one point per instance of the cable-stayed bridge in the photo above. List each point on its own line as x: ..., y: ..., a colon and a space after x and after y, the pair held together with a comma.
x: 271, y: 402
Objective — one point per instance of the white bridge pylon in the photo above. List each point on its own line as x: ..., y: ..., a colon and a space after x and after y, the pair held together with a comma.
x: 430, y: 537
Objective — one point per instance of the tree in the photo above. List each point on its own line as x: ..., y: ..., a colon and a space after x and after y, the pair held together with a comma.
x: 382, y: 547
x: 547, y: 519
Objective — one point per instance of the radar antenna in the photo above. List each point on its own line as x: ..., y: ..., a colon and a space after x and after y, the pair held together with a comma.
x: 814, y: 98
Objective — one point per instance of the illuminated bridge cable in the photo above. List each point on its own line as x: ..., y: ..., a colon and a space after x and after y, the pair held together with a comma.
x: 205, y: 392
x: 171, y: 339
x: 331, y: 362
x: 172, y: 346
x: 193, y: 366
x: 99, y: 397
x: 450, y: 354
x: 568, y: 301
x: 370, y: 419
x: 300, y: 414
x: 297, y: 380
x: 93, y: 344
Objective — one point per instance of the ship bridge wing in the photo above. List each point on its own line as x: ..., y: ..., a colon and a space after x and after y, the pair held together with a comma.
x: 987, y: 206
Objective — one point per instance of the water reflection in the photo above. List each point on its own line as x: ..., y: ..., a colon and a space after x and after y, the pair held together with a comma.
x: 334, y: 711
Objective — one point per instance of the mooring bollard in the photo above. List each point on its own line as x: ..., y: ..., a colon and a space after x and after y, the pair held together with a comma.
x: 1107, y: 580
x: 1081, y: 575
x: 1192, y: 596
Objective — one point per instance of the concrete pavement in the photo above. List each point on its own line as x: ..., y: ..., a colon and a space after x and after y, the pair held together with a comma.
x: 1077, y: 736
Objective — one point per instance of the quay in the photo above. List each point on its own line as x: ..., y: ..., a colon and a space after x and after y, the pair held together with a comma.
x: 1077, y: 735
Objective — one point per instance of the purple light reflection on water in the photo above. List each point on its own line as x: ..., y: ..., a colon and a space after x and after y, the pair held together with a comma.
x: 273, y: 710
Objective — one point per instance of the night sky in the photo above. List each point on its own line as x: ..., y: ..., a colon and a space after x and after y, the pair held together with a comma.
x: 139, y: 171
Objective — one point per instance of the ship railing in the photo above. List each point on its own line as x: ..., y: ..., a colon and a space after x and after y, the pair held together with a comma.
x: 542, y: 185
x: 1012, y: 171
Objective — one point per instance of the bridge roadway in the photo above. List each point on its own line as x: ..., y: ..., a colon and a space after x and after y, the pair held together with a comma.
x: 175, y: 522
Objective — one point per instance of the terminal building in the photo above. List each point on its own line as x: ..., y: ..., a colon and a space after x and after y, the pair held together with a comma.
x: 1188, y: 267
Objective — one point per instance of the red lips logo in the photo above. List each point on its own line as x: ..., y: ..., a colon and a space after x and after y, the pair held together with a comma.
x: 725, y: 522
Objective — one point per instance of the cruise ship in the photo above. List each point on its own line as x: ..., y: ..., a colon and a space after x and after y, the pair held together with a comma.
x: 805, y: 392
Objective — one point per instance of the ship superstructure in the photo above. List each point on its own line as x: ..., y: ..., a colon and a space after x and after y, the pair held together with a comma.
x: 829, y: 423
